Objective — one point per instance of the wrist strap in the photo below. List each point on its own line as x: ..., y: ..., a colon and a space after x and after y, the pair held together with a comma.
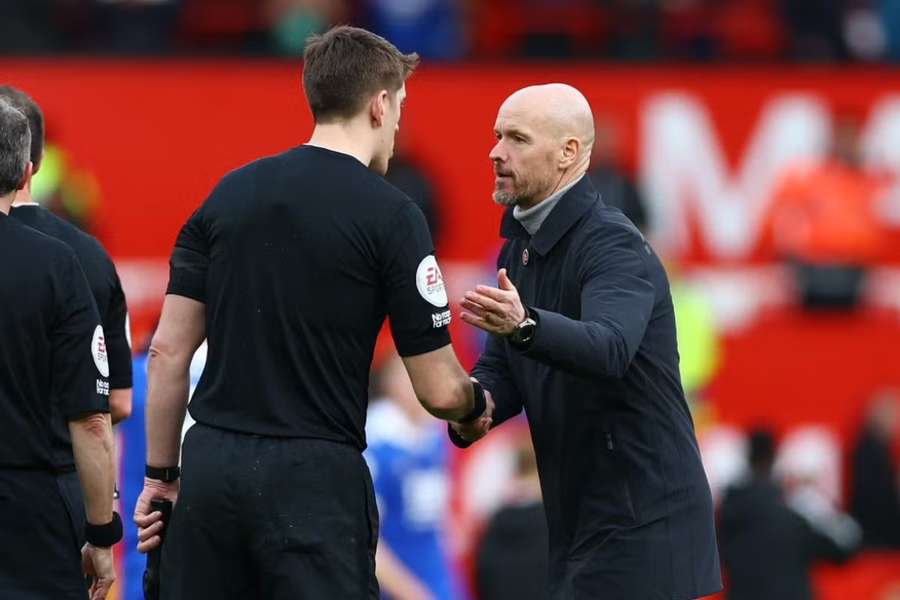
x: 480, y: 404
x: 104, y: 536
x: 166, y: 474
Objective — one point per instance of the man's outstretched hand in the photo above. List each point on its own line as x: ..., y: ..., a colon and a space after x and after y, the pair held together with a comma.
x: 496, y: 310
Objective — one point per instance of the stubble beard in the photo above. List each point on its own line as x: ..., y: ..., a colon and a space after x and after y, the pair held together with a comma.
x: 504, y: 198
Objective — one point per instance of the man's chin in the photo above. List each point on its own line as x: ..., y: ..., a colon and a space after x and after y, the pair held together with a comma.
x: 504, y: 199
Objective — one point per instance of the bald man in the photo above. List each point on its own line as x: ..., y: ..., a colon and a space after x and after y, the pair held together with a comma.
x: 583, y: 337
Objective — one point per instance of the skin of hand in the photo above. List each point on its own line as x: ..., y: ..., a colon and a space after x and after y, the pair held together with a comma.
x: 98, y: 563
x: 150, y: 523
x: 478, y: 428
x: 495, y: 310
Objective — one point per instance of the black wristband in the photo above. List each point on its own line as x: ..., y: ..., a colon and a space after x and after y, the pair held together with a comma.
x: 166, y: 474
x: 104, y: 536
x: 480, y: 404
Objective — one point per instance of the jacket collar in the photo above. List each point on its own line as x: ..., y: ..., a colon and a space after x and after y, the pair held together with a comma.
x: 570, y: 208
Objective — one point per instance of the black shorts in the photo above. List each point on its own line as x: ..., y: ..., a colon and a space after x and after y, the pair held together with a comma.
x: 261, y: 517
x: 42, y: 526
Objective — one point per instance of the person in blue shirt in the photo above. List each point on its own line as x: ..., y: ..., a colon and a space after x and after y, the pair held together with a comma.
x: 408, y: 458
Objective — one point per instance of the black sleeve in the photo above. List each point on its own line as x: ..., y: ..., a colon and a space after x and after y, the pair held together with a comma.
x: 190, y: 261
x: 417, y: 302
x: 115, y: 326
x: 617, y: 299
x: 80, y: 364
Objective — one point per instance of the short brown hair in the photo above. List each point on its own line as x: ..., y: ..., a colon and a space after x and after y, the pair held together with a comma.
x: 28, y: 107
x: 346, y: 65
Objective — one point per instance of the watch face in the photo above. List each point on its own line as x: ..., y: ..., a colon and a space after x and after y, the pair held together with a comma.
x: 524, y: 332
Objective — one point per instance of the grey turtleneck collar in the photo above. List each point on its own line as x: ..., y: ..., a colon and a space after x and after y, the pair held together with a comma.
x: 532, y: 218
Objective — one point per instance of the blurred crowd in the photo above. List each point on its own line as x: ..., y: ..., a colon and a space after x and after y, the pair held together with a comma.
x: 631, y: 30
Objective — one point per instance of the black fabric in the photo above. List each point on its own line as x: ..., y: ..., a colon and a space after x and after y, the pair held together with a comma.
x: 42, y: 550
x: 104, y: 536
x: 299, y: 258
x: 874, y: 497
x: 767, y: 548
x: 628, y: 505
x: 511, y: 561
x: 48, y: 370
x: 110, y: 300
x: 104, y: 282
x: 480, y: 404
x: 260, y: 517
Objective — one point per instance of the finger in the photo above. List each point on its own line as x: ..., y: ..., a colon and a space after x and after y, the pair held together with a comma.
x: 148, y: 545
x: 101, y: 589
x: 504, y: 281
x: 148, y: 532
x: 492, y: 292
x: 473, y: 307
x: 487, y: 303
x: 147, y: 520
x: 477, y: 321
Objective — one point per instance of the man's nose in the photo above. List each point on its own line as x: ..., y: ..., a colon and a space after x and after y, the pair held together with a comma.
x: 497, y: 154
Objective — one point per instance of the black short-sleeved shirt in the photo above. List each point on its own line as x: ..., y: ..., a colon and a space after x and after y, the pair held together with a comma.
x: 110, y: 299
x: 103, y: 280
x: 299, y: 258
x: 52, y: 351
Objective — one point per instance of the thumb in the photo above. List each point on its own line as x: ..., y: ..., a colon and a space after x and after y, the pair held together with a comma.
x: 503, y: 280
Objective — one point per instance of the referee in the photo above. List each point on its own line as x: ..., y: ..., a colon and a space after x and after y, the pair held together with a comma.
x: 52, y: 364
x: 96, y: 263
x: 289, y: 268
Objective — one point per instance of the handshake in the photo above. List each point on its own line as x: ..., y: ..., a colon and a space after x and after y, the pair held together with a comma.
x: 470, y: 431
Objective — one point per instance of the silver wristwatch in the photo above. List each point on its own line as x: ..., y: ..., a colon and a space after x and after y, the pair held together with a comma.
x: 524, y: 332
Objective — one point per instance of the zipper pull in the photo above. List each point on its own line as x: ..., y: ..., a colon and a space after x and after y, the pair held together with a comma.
x: 609, y: 441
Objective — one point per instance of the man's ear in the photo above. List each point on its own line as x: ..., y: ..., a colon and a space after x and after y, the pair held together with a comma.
x: 377, y: 108
x: 569, y: 152
x: 26, y: 179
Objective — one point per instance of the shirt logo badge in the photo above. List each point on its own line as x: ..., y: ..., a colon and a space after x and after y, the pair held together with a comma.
x: 98, y: 351
x: 430, y: 282
x: 525, y: 257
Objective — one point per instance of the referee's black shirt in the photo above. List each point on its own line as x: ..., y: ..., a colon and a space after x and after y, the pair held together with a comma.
x: 299, y: 258
x: 52, y: 352
x: 108, y: 295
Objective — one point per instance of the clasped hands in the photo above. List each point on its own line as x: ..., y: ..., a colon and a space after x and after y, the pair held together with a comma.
x: 498, y: 311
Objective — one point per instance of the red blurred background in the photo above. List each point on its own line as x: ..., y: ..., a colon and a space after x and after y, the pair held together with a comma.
x: 156, y: 135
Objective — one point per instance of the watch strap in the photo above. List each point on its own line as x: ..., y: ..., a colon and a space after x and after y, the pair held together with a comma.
x: 166, y: 474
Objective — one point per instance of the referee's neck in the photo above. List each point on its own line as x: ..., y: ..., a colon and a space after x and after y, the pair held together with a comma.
x: 345, y: 137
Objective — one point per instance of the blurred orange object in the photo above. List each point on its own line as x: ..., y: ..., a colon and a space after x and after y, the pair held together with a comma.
x: 825, y: 213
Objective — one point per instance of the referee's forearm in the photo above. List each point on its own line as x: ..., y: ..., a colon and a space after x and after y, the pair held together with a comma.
x: 167, y: 397
x: 92, y: 445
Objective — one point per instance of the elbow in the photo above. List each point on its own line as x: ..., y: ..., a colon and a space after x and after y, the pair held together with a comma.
x: 120, y: 405
x: 167, y: 351
x: 95, y: 427
x: 614, y: 350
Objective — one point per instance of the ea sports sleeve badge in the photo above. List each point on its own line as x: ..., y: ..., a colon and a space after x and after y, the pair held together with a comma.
x: 430, y: 282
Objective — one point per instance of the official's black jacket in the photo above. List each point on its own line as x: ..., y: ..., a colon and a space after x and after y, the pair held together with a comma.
x: 53, y: 361
x: 628, y: 504
x: 107, y: 291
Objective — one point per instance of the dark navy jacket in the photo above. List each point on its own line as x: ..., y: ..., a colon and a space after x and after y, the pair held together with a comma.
x: 627, y: 501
